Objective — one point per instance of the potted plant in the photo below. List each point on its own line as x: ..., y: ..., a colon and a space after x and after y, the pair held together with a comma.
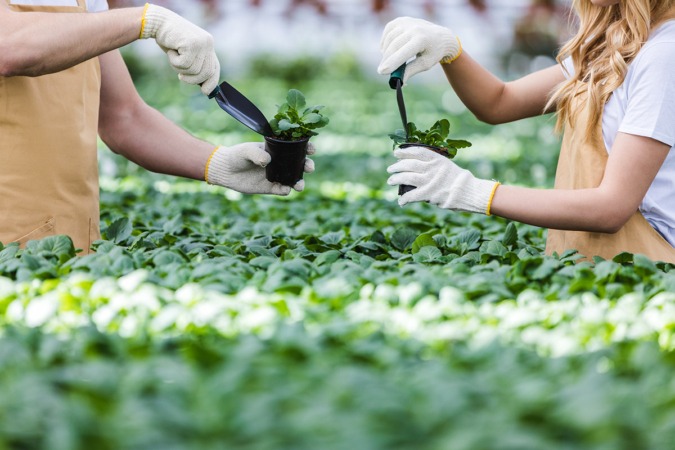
x: 435, y: 139
x: 293, y: 126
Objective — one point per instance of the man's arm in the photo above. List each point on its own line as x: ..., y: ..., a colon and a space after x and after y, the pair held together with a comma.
x: 37, y: 43
x: 143, y: 135
x: 139, y: 132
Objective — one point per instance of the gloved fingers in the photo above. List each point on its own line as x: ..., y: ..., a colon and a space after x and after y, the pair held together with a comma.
x: 310, y: 148
x: 309, y: 166
x: 202, y: 67
x: 393, y: 29
x: 299, y: 186
x: 409, y: 165
x: 253, y: 152
x: 279, y: 189
x: 394, y: 60
x: 415, y: 195
x: 213, y: 78
x: 419, y: 153
x: 187, y: 63
x: 409, y: 178
x: 207, y: 79
x: 421, y: 64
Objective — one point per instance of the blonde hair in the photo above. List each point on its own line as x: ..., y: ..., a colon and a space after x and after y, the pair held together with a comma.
x: 608, y: 40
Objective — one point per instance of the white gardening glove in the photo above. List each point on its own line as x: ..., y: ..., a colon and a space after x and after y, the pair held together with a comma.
x: 189, y: 48
x: 406, y: 38
x: 242, y: 168
x: 439, y: 181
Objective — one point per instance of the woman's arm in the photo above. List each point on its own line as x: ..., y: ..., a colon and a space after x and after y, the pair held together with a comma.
x: 38, y: 43
x: 494, y: 101
x: 423, y: 44
x: 632, y: 166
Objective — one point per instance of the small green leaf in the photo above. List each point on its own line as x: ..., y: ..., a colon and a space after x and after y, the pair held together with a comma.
x: 423, y: 240
x: 312, y: 118
x: 296, y: 99
x: 119, y: 230
x: 510, y: 235
x: 403, y: 238
x: 427, y: 254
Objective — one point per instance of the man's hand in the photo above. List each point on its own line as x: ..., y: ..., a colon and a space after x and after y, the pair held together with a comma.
x: 242, y: 168
x: 189, y: 48
x: 439, y: 181
x: 406, y: 38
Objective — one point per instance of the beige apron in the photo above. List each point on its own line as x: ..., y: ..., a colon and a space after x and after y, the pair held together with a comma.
x: 582, y: 165
x: 48, y: 157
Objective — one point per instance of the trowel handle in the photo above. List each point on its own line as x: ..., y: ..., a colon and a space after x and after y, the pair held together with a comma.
x: 396, y: 76
x: 214, y: 92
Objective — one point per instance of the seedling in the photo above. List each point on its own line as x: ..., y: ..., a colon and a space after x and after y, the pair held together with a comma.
x: 294, y: 121
x: 436, y: 136
x: 293, y: 125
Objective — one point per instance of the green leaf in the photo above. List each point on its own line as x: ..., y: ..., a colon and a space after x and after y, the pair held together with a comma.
x: 285, y: 125
x: 333, y: 238
x: 295, y: 99
x: 403, y: 238
x: 643, y: 262
x: 119, y: 230
x: 60, y: 246
x: 510, y: 235
x: 312, y: 118
x: 423, y: 240
x: 427, y: 254
x: 328, y: 257
x: 470, y: 238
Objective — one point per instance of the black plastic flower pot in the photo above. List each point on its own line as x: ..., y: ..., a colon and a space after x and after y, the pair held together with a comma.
x: 288, y: 160
x: 403, y: 188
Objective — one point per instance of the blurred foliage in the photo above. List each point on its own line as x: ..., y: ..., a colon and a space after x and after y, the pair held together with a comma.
x: 304, y: 69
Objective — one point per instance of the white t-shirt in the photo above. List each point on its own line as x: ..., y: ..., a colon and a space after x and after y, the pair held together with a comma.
x: 644, y: 105
x: 92, y: 5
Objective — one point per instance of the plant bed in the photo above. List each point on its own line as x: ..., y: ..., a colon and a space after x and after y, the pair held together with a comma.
x: 293, y: 126
x: 434, y: 139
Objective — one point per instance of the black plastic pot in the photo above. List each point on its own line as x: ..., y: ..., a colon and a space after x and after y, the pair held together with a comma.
x: 288, y: 160
x: 403, y: 188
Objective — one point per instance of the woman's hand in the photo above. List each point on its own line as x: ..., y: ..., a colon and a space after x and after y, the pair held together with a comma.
x: 406, y: 38
x: 439, y: 181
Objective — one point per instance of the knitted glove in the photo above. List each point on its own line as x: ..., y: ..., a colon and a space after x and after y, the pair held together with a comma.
x: 242, y: 168
x: 406, y: 38
x: 189, y: 48
x: 440, y: 181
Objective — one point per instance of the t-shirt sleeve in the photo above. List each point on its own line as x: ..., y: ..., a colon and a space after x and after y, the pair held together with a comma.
x: 567, y: 67
x: 650, y: 109
x: 97, y: 5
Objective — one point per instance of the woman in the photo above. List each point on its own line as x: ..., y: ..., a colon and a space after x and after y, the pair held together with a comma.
x: 614, y: 93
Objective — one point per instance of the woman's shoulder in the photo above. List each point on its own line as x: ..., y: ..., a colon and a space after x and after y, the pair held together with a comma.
x: 660, y: 47
x: 664, y: 33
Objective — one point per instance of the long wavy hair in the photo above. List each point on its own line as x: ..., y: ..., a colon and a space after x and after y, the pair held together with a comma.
x: 608, y: 40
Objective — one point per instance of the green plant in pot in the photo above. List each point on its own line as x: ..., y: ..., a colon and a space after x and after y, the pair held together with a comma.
x: 293, y: 125
x: 434, y: 139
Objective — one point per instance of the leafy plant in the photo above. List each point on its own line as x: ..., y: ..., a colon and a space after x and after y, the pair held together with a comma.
x: 294, y: 121
x: 436, y: 136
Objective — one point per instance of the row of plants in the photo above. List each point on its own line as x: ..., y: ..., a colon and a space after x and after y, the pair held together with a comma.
x: 331, y: 318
